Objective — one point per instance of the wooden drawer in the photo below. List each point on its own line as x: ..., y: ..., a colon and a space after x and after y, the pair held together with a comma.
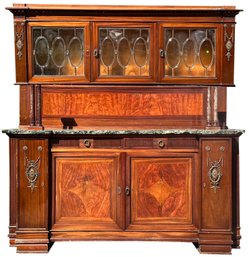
x: 128, y: 143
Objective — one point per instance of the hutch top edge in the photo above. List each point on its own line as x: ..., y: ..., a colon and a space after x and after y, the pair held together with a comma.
x: 222, y: 11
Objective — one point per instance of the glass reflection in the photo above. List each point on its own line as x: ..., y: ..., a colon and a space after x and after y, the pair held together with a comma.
x: 124, y: 51
x: 189, y: 52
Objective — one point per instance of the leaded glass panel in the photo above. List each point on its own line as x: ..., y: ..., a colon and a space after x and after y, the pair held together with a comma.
x: 124, y: 51
x: 58, y: 51
x: 189, y: 52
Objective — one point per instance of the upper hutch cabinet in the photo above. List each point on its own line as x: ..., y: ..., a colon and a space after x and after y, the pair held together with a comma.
x: 161, y: 49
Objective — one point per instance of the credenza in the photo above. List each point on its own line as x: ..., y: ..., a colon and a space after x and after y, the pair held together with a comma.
x: 122, y: 132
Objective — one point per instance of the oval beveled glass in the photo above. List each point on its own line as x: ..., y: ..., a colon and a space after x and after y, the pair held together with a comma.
x: 107, y: 52
x: 140, y: 52
x: 124, y: 52
x: 41, y: 51
x: 189, y: 53
x: 173, y: 53
x: 206, y: 53
x: 58, y: 51
x: 75, y: 49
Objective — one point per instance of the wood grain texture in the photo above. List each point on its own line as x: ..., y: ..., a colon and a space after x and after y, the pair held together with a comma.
x: 33, y: 204
x: 135, y: 104
x: 86, y: 192
x: 161, y: 190
x: 216, y: 203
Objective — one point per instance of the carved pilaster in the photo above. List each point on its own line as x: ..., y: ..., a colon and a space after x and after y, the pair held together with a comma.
x: 32, y: 106
x: 38, y: 121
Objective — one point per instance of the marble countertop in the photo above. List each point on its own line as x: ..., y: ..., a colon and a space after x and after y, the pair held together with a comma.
x: 206, y: 132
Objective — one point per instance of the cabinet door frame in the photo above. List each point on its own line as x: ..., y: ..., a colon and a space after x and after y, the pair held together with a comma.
x: 194, y: 222
x: 60, y: 78
x: 122, y: 79
x: 191, y: 80
x: 87, y: 224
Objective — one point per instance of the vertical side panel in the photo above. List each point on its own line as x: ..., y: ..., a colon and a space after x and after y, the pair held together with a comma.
x: 24, y: 106
x: 12, y: 206
x: 228, y: 53
x: 33, y: 184
x: 20, y: 49
x: 217, y: 184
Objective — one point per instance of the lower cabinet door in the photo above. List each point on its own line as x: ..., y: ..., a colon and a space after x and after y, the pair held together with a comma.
x: 161, y: 191
x: 85, y: 191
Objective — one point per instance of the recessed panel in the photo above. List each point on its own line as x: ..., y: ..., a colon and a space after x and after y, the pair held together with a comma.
x: 86, y: 192
x: 161, y: 190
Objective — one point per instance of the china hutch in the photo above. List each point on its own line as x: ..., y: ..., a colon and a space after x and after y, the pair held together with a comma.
x: 122, y: 132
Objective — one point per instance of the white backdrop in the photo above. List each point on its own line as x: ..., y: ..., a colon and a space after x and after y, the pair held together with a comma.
x: 238, y: 109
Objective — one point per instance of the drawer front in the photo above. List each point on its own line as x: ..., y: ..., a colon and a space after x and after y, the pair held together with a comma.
x: 128, y: 143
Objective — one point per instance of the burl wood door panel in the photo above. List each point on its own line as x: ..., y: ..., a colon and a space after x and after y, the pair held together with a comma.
x: 161, y: 190
x: 32, y: 184
x: 85, y: 191
x: 217, y: 184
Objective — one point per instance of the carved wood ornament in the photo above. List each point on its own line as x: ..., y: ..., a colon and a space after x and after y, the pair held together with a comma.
x: 228, y: 41
x: 215, y: 169
x: 19, y: 37
x: 32, y: 168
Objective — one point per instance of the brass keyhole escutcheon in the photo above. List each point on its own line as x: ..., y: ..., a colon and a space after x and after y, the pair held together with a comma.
x: 127, y: 191
x: 87, y: 143
x: 161, y: 144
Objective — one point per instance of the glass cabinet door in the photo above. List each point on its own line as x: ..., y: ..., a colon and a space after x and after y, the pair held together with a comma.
x: 59, y: 51
x: 188, y: 52
x: 123, y: 51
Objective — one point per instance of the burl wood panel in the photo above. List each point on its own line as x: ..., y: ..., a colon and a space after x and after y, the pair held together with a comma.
x: 69, y: 103
x: 161, y: 190
x: 86, y: 191
x: 216, y: 200
x: 32, y: 200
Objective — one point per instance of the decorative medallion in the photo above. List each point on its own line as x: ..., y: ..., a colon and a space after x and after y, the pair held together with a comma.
x: 19, y: 37
x: 215, y: 169
x: 215, y: 174
x: 32, y: 168
x: 228, y: 41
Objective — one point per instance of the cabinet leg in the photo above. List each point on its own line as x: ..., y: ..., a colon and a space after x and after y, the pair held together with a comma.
x: 236, y: 238
x: 215, y: 249
x: 32, y: 242
x: 215, y: 244
x: 12, y: 236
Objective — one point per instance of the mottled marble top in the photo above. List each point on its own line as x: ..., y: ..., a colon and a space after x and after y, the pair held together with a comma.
x: 205, y: 132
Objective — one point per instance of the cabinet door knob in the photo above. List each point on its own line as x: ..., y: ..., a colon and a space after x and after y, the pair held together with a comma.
x: 127, y: 191
x: 96, y: 53
x: 162, y: 53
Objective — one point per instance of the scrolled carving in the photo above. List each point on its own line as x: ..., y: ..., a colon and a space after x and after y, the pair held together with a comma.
x: 19, y: 38
x: 32, y: 172
x: 228, y: 39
